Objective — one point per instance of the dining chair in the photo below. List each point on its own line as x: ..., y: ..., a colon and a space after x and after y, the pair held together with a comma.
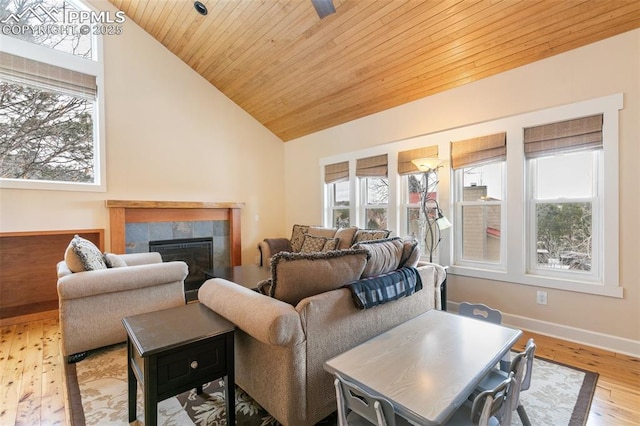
x: 485, y: 313
x: 489, y: 408
x: 521, y: 367
x: 356, y: 407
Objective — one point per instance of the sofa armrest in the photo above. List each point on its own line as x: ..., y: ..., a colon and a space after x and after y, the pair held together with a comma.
x: 433, y: 276
x: 113, y: 280
x: 270, y: 246
x: 266, y: 319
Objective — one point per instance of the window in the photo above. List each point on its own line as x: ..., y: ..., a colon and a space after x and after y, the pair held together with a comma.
x: 563, y: 164
x: 479, y: 200
x: 336, y: 177
x: 374, y: 189
x: 49, y: 106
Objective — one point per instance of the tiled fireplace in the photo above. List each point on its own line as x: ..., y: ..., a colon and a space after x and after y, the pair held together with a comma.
x: 134, y: 223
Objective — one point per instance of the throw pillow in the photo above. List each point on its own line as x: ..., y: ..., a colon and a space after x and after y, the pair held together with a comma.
x: 346, y: 236
x: 384, y: 256
x: 370, y: 234
x: 299, y: 275
x: 297, y: 237
x: 331, y: 244
x: 410, y: 253
x: 114, y: 261
x: 312, y: 244
x: 83, y: 255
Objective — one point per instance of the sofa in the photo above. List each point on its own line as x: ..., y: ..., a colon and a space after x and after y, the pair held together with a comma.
x: 343, y: 238
x: 306, y: 314
x: 96, y: 290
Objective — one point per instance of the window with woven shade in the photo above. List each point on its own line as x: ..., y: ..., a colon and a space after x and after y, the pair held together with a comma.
x: 336, y: 178
x: 374, y: 190
x: 480, y: 196
x: 562, y: 161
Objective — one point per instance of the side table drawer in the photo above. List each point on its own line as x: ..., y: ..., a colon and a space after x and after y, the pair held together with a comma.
x: 191, y: 364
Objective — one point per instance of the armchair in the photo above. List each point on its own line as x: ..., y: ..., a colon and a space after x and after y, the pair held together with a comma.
x: 93, y: 303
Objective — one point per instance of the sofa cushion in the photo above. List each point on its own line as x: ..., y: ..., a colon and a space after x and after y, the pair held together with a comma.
x: 370, y: 234
x: 318, y: 231
x: 384, y: 256
x: 346, y: 236
x: 410, y: 253
x: 83, y: 255
x: 299, y: 275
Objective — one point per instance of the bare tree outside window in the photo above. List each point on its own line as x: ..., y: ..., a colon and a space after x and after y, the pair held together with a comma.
x: 45, y: 135
x: 377, y: 198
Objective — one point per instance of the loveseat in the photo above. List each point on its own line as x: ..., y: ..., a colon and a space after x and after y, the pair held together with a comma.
x: 341, y: 238
x: 95, y: 295
x: 309, y: 315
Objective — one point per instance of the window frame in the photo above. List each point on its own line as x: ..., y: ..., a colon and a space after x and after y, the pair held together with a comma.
x: 93, y: 67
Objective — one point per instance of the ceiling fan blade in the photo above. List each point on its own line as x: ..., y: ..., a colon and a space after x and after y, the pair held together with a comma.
x: 324, y: 7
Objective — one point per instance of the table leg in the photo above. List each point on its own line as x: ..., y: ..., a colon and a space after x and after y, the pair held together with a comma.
x: 132, y: 383
x: 150, y: 392
x: 230, y: 400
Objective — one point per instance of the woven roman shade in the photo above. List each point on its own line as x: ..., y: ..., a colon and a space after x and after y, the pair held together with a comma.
x: 405, y: 166
x: 372, y: 166
x: 483, y: 149
x: 19, y: 70
x: 571, y: 135
x: 336, y: 172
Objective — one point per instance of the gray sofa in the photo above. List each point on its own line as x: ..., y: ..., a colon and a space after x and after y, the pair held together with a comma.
x: 93, y: 303
x: 281, y: 346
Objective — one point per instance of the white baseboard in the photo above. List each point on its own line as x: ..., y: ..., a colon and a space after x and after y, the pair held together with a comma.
x: 619, y: 345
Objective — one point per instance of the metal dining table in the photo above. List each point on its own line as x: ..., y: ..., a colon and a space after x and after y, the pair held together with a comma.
x: 428, y: 366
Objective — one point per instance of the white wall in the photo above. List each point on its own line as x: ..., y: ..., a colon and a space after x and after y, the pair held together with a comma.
x: 170, y: 136
x: 604, y: 68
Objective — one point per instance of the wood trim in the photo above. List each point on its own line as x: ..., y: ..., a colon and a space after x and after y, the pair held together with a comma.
x: 134, y: 204
x: 122, y: 212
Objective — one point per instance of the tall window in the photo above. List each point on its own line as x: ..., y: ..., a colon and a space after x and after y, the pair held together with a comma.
x: 479, y: 194
x: 414, y: 188
x: 336, y: 178
x: 563, y: 164
x: 374, y: 190
x: 49, y: 126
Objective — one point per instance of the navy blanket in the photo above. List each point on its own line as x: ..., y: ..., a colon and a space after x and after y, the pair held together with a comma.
x: 373, y: 291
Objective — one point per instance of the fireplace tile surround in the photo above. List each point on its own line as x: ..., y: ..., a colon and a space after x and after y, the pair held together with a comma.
x: 138, y: 235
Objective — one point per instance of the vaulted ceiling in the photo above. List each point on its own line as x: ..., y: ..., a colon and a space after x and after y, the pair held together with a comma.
x: 298, y: 74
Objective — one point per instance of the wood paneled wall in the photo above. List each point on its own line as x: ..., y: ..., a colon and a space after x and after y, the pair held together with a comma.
x: 28, y: 276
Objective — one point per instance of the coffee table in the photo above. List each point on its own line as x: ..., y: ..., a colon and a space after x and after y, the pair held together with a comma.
x: 177, y: 349
x: 245, y: 275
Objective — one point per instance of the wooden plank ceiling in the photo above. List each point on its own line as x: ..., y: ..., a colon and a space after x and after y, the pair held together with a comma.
x: 298, y: 74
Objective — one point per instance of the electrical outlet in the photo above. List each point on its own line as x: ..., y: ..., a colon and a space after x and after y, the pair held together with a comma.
x: 541, y: 297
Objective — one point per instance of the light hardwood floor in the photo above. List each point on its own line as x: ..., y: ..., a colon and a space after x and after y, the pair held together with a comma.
x: 32, y: 388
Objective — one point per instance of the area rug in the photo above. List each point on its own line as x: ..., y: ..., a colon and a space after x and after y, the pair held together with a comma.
x: 97, y: 391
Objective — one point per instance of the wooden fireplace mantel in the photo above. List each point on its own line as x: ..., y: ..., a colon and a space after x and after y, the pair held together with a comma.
x: 122, y: 212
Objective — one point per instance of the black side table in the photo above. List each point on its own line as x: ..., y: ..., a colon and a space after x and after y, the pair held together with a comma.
x: 177, y: 349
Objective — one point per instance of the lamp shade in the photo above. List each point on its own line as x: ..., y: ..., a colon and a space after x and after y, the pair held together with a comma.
x: 426, y: 164
x: 443, y: 222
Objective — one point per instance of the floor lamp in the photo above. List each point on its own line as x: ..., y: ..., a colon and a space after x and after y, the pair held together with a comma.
x: 435, y: 221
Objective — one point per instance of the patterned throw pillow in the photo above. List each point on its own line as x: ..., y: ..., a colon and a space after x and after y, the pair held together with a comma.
x: 370, y: 234
x: 297, y: 237
x: 331, y: 244
x: 83, y: 255
x: 312, y: 244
